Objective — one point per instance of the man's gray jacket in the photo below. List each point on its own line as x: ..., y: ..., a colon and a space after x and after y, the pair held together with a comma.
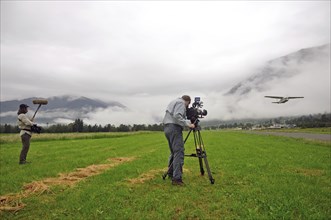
x: 176, y: 113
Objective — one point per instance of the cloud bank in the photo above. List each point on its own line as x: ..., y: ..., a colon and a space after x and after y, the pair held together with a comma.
x: 144, y: 54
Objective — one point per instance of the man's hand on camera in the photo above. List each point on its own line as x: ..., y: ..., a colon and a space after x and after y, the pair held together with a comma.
x: 191, y: 126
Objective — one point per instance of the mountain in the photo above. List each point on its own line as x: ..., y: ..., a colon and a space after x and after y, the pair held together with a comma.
x: 279, y: 69
x: 305, y: 72
x: 60, y: 109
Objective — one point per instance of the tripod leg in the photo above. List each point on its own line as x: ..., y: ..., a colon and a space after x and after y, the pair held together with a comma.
x: 187, y: 136
x: 212, y: 180
x: 202, y: 171
x: 204, y: 156
x: 197, y: 143
x: 167, y: 172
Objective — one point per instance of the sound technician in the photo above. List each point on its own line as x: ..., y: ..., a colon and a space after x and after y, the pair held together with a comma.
x: 24, y: 123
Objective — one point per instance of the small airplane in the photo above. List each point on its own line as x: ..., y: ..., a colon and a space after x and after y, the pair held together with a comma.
x: 283, y: 99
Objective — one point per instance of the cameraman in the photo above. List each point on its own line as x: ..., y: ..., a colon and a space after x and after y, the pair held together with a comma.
x: 174, y: 122
x: 24, y: 123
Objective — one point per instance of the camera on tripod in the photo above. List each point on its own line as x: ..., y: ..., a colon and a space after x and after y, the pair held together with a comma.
x: 195, y: 112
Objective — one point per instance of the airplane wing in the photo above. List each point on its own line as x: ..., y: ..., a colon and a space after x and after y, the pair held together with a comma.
x: 274, y: 97
x: 296, y: 97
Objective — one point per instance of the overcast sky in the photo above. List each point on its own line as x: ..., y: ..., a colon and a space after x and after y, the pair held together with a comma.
x: 145, y: 53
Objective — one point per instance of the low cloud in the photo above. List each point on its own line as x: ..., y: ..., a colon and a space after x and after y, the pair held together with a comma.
x: 308, y: 78
x: 143, y: 54
x: 111, y: 116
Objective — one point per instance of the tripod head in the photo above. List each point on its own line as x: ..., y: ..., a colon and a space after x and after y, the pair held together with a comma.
x: 197, y: 126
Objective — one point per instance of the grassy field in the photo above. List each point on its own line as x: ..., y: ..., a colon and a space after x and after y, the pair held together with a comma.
x: 256, y: 177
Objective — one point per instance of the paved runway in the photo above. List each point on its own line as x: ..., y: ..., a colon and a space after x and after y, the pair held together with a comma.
x: 311, y: 136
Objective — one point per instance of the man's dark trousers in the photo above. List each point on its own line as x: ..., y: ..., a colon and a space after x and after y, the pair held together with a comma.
x: 25, y: 148
x: 174, y: 135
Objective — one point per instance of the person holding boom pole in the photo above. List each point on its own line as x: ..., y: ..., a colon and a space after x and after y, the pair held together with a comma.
x: 27, y: 127
x: 25, y: 124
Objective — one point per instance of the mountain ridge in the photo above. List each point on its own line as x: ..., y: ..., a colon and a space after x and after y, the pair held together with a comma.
x: 281, y: 67
x: 64, y: 107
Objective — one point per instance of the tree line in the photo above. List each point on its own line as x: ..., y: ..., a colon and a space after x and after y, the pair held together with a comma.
x: 79, y: 126
x: 307, y: 121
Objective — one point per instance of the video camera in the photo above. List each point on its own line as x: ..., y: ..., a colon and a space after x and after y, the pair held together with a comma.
x: 195, y: 112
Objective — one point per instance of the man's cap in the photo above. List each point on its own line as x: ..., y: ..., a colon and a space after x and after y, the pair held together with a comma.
x: 23, y: 106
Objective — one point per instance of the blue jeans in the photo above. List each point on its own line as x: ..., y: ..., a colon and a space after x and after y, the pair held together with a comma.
x: 174, y: 135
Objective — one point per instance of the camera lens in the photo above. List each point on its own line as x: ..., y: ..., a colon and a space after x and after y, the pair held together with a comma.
x: 204, y: 112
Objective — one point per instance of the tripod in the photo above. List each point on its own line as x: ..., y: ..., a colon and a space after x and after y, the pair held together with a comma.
x: 200, y: 153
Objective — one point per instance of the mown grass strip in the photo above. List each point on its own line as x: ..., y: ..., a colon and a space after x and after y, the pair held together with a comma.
x: 62, y: 156
x: 13, y: 202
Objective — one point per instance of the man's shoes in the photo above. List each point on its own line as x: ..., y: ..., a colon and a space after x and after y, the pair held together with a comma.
x: 178, y: 183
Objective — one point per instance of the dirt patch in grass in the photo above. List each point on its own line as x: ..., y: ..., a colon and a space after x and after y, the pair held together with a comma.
x: 13, y: 202
x: 149, y: 175
x: 146, y: 176
x: 307, y: 172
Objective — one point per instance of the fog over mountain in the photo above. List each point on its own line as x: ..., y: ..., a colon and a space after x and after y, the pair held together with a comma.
x: 302, y: 73
x: 144, y: 54
x: 284, y: 68
x: 60, y: 109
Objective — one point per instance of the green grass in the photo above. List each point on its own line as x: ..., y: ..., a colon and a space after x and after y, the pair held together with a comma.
x: 256, y: 177
x: 11, y: 138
